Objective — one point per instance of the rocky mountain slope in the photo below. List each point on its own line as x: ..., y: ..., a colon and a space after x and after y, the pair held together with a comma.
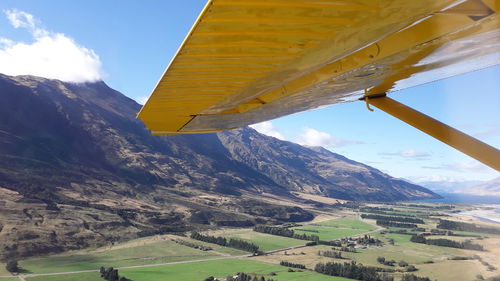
x: 316, y: 170
x: 78, y: 169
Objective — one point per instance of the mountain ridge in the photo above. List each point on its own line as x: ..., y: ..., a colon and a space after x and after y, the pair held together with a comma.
x: 77, y: 169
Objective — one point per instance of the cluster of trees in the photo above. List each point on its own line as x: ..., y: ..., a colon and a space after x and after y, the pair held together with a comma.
x: 383, y: 261
x: 240, y: 277
x: 441, y: 232
x: 398, y: 231
x: 353, y: 271
x: 395, y: 224
x: 446, y: 243
x: 331, y: 254
x: 12, y: 266
x: 307, y: 230
x: 111, y: 274
x: 192, y: 245
x: 412, y: 277
x: 291, y: 264
x: 347, y: 204
x: 464, y: 226
x: 392, y: 218
x: 222, y: 241
x: 439, y: 207
x: 243, y: 245
x: 375, y: 209
x: 347, y: 249
x: 286, y: 232
x: 368, y: 240
x: 402, y: 263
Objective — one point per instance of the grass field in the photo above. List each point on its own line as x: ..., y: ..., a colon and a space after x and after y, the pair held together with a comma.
x: 151, y: 253
x: 199, y: 271
x: 348, y: 223
x: 139, y: 252
x: 222, y: 268
x: 453, y: 270
x: 90, y: 276
x: 3, y: 271
x: 231, y: 251
x: 328, y: 233
x: 266, y: 242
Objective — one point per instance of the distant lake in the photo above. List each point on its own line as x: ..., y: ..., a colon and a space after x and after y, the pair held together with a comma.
x: 458, y: 198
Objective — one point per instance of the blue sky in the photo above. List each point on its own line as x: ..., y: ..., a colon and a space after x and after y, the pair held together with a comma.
x: 128, y: 44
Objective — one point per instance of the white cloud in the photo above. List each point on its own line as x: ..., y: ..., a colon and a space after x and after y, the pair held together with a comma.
x: 313, y: 137
x: 407, y: 153
x: 463, y: 167
x: 267, y: 128
x: 50, y: 55
x: 4, y: 42
x: 435, y: 178
x: 468, y: 166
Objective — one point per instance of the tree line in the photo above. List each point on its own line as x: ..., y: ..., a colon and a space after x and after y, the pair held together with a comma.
x: 446, y: 243
x: 392, y: 218
x: 307, y: 230
x: 439, y: 207
x: 412, y: 277
x: 383, y: 261
x: 111, y: 274
x: 286, y: 232
x: 372, y: 209
x: 222, y: 241
x: 291, y: 264
x: 331, y: 254
x: 352, y: 270
x: 463, y: 226
x: 395, y: 224
x: 192, y: 245
x: 12, y: 266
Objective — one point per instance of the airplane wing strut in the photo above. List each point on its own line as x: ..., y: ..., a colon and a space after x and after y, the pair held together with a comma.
x: 471, y: 146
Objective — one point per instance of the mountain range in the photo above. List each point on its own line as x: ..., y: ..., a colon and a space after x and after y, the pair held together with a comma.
x: 487, y: 188
x: 78, y: 169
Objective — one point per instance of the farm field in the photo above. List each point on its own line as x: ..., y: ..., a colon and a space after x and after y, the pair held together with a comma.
x: 149, y: 253
x: 200, y: 270
x: 88, y: 276
x: 3, y: 271
x: 348, y: 223
x: 327, y: 233
x: 189, y: 264
x: 266, y: 242
x: 453, y: 270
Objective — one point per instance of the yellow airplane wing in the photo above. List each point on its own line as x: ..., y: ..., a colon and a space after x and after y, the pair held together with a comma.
x: 247, y: 61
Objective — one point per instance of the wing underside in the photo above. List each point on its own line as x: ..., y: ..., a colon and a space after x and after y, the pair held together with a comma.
x: 245, y: 62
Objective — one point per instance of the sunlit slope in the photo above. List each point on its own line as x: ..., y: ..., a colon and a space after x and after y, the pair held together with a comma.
x: 75, y: 155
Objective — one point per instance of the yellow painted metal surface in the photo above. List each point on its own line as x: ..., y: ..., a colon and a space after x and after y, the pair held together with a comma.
x: 244, y: 62
x: 454, y: 138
